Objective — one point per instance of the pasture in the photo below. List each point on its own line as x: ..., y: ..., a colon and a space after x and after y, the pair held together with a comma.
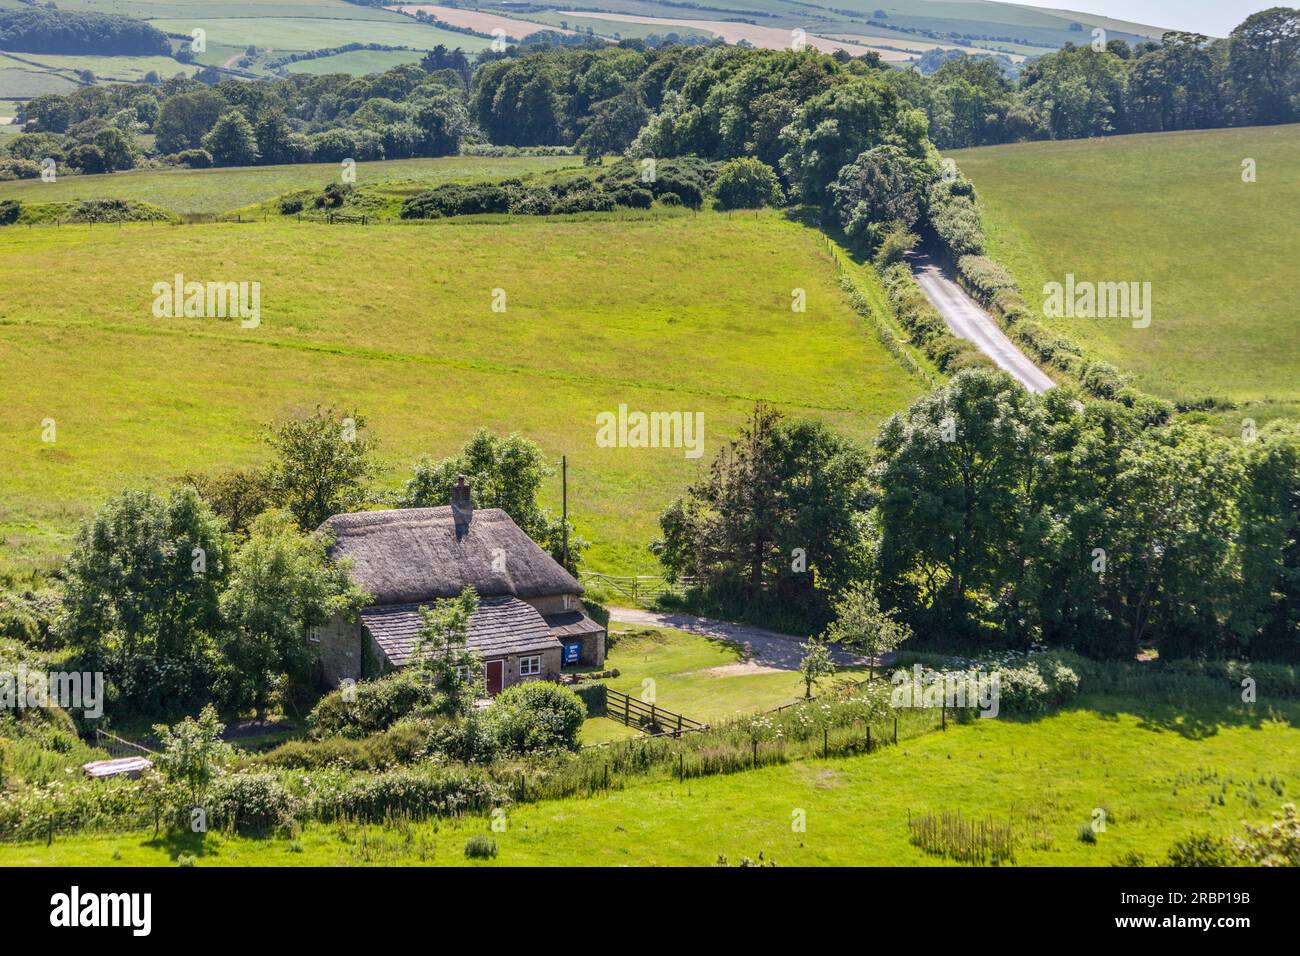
x: 199, y: 192
x: 355, y: 62
x: 397, y: 321
x: 1170, y: 209
x: 1158, y: 773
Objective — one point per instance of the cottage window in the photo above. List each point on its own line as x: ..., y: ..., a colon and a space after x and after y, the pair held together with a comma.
x: 529, y: 666
x: 462, y: 673
x: 313, y: 634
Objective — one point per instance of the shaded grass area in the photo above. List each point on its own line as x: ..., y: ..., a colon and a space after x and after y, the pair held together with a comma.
x: 704, y: 678
x: 1154, y: 781
x: 211, y: 191
x: 1170, y: 209
x: 397, y: 321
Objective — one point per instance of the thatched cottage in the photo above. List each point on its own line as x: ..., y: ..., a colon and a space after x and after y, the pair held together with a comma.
x: 530, y: 624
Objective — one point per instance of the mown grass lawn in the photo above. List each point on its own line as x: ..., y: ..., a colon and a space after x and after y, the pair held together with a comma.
x: 1156, y: 774
x: 1170, y: 209
x: 397, y: 321
x: 704, y: 678
x: 210, y: 191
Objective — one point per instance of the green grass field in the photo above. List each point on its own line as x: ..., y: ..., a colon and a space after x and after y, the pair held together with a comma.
x: 1170, y: 209
x: 211, y: 191
x: 704, y: 678
x: 396, y: 320
x: 1158, y: 776
x: 356, y: 63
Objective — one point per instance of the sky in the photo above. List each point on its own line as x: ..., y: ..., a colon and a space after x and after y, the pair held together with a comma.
x: 1214, y: 17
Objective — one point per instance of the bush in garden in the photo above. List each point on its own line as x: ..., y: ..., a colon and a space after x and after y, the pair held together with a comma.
x: 370, y: 706
x: 250, y: 803
x: 536, y: 716
x: 407, y: 741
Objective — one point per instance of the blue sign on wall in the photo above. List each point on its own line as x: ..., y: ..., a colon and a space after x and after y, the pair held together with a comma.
x: 572, y: 651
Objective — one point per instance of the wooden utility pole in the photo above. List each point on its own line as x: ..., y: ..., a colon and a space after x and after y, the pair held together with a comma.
x: 564, y: 495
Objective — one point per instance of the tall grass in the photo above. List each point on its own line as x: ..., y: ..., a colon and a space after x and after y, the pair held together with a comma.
x: 963, y: 839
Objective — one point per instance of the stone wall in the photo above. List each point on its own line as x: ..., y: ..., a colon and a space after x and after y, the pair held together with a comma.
x: 340, y: 651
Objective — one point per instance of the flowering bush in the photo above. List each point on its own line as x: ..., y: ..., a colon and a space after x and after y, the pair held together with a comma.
x: 250, y: 803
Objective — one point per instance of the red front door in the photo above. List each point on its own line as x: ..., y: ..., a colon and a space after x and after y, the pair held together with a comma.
x: 493, y: 674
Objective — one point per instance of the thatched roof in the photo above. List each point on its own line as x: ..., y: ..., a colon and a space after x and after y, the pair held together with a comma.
x: 414, y: 555
x: 500, y: 626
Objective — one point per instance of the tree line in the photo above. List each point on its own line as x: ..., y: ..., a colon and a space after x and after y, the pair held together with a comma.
x: 411, y: 110
x: 988, y: 515
x: 715, y: 102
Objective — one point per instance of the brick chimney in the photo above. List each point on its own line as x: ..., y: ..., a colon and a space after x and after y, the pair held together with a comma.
x: 462, y: 504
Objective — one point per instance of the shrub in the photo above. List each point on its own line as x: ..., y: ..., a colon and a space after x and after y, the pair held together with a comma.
x: 747, y: 183
x: 194, y: 158
x: 593, y: 696
x: 955, y: 217
x: 536, y: 716
x: 333, y: 196
x: 9, y: 211
x: 18, y: 169
x: 896, y: 243
x: 407, y: 741
x: 480, y: 847
x: 250, y: 803
x: 670, y: 199
x: 469, y: 739
x: 374, y: 706
x: 1200, y: 849
x: 984, y: 276
x: 290, y: 205
x: 414, y: 793
x: 1275, y: 844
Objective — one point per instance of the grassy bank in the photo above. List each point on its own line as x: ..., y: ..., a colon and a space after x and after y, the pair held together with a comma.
x: 1157, y: 776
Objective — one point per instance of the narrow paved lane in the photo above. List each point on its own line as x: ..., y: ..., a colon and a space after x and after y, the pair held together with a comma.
x: 968, y: 320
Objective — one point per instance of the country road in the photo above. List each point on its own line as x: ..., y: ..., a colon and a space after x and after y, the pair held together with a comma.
x: 968, y: 320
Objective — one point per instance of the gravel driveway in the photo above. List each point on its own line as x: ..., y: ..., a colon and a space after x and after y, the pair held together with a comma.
x: 770, y: 648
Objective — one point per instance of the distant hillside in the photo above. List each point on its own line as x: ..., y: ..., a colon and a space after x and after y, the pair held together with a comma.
x: 906, y: 28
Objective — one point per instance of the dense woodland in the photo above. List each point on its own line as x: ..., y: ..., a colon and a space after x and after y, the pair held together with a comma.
x: 46, y: 30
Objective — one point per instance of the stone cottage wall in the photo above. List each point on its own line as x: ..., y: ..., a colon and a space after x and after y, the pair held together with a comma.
x: 340, y: 651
